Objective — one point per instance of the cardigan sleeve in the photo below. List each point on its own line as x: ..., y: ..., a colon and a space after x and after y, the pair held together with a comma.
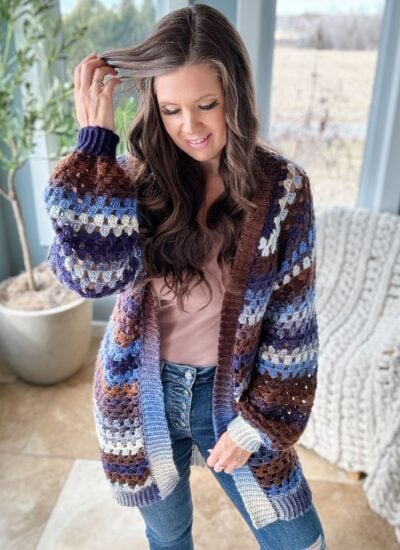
x: 93, y: 209
x: 244, y: 435
x: 278, y: 401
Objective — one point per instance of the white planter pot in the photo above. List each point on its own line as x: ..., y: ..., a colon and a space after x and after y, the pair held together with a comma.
x: 46, y: 346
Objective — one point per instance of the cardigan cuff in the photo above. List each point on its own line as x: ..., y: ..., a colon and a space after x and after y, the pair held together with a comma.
x: 244, y: 435
x: 96, y: 140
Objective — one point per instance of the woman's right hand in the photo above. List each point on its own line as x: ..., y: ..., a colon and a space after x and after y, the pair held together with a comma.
x: 94, y: 102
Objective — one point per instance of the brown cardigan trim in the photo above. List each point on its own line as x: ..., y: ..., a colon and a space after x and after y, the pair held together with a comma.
x: 234, y: 293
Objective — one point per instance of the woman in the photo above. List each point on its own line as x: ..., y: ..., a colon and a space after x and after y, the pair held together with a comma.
x: 199, y: 199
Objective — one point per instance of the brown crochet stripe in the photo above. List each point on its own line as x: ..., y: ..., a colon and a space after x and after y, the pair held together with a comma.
x: 300, y: 213
x: 131, y: 479
x: 81, y: 172
x: 247, y: 338
x: 267, y: 392
x: 297, y: 286
x: 233, y: 297
x: 263, y: 267
x: 278, y: 469
x: 128, y: 397
x: 126, y: 326
x: 127, y: 391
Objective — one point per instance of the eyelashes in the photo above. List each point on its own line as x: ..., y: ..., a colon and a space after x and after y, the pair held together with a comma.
x: 203, y: 108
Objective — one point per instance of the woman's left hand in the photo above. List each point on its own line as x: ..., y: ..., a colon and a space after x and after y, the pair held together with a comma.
x: 227, y: 453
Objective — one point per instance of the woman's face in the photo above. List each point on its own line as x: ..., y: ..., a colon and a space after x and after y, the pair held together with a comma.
x: 192, y: 108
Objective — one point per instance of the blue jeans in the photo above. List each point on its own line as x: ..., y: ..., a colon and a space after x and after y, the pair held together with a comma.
x: 188, y: 407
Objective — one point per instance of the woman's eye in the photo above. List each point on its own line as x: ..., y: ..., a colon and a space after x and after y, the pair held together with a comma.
x: 210, y: 106
x: 203, y: 107
x: 169, y: 112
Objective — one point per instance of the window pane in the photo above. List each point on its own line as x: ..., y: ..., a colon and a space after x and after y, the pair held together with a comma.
x: 323, y: 73
x: 110, y: 24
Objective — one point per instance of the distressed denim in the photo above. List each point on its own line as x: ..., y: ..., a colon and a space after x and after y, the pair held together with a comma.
x: 188, y: 407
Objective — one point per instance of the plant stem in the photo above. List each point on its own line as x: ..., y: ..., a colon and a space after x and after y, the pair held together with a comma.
x: 12, y: 197
x: 10, y: 30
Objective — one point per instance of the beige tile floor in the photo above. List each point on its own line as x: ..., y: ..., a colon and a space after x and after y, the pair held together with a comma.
x: 54, y: 495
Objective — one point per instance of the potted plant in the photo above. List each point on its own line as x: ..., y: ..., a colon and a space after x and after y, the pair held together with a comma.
x: 45, y: 328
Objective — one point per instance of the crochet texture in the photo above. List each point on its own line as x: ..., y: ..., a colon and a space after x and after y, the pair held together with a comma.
x: 355, y: 421
x: 268, y: 341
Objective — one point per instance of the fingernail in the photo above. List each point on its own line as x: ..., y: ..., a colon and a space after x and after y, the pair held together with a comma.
x: 209, y: 450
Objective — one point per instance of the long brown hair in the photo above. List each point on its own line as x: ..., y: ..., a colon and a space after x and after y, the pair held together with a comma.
x: 170, y: 185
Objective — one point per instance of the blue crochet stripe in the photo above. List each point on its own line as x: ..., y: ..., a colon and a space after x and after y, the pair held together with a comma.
x: 113, y: 424
x: 92, y: 204
x: 112, y: 354
x: 304, y: 249
x: 287, y: 485
x: 125, y: 435
x: 117, y: 375
x: 144, y: 497
x: 114, y: 350
x: 298, y: 303
x: 238, y: 361
x: 255, y: 294
x: 136, y: 468
x: 56, y: 262
x: 275, y: 370
x: 76, y: 244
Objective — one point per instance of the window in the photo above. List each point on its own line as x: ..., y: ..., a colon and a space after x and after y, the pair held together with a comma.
x: 323, y: 73
x: 109, y: 25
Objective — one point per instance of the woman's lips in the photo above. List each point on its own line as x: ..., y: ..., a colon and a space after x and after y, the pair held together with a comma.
x: 199, y: 145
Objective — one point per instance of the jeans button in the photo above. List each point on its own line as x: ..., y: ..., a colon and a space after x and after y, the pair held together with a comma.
x: 183, y: 415
x: 185, y: 392
x: 188, y: 375
x: 183, y: 405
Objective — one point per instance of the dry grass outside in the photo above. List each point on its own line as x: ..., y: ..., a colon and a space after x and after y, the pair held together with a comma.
x: 333, y: 167
x: 340, y: 79
x: 319, y: 114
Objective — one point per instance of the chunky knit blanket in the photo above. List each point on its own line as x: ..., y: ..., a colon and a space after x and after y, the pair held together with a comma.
x: 355, y: 421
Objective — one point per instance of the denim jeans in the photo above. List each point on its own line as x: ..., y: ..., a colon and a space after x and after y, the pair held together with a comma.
x: 188, y: 407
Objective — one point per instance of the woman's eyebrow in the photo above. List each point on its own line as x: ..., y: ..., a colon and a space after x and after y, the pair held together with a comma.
x: 172, y: 103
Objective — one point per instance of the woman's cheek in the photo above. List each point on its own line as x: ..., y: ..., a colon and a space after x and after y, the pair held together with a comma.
x: 172, y: 130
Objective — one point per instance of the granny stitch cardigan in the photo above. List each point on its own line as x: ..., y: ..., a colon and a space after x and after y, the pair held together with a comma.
x: 266, y: 375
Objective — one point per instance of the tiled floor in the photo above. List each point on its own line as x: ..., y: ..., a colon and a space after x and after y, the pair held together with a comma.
x: 54, y: 495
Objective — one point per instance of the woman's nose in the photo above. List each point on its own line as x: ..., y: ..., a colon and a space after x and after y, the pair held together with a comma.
x: 190, y: 125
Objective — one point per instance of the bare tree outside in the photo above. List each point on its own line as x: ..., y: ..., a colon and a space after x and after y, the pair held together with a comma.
x: 323, y: 73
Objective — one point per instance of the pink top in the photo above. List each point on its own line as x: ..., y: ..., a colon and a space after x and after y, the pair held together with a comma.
x: 191, y: 337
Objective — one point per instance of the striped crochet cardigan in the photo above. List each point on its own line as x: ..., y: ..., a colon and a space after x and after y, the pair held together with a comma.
x: 266, y: 374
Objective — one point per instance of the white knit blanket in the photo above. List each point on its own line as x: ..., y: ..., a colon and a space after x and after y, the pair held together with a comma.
x: 355, y: 420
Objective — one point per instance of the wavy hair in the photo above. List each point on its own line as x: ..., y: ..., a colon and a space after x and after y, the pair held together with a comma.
x: 169, y: 184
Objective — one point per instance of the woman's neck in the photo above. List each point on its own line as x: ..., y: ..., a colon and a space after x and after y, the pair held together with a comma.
x: 214, y: 188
